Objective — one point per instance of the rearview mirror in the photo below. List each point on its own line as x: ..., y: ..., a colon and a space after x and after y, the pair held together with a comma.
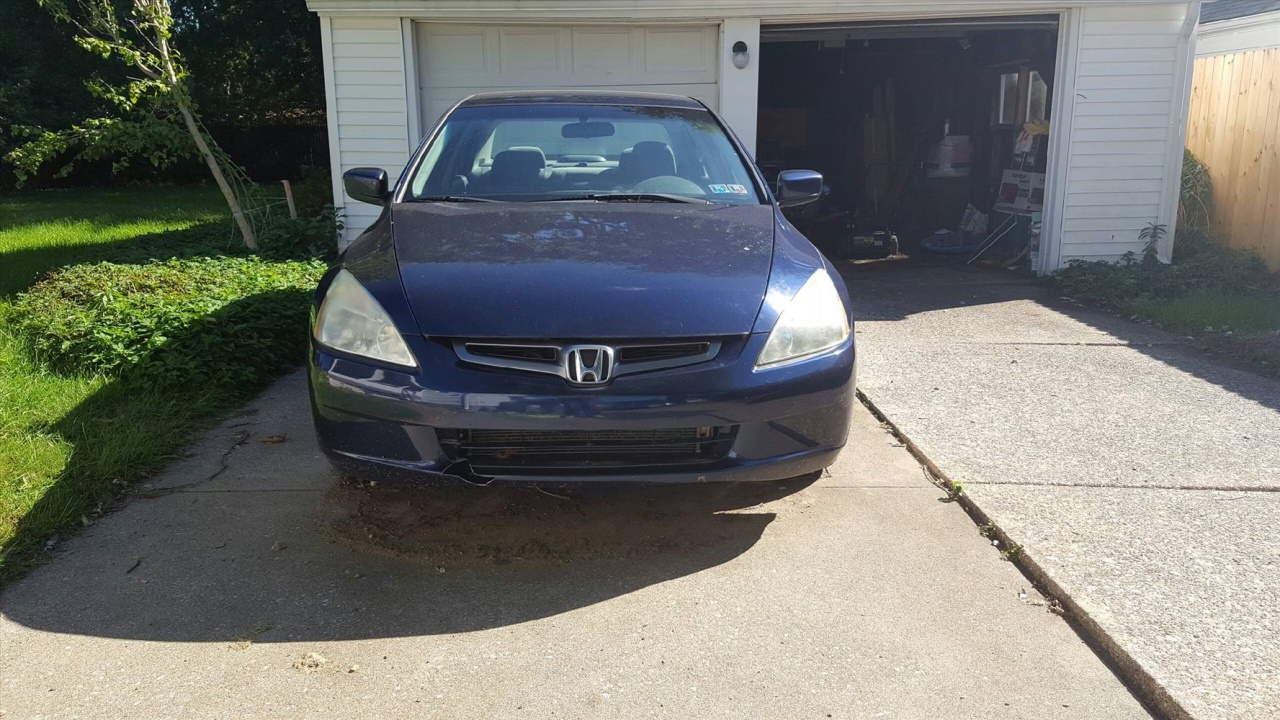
x: 368, y: 185
x: 798, y: 187
x: 584, y: 129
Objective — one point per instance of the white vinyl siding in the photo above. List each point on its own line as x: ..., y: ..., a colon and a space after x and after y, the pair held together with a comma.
x: 368, y: 95
x: 1124, y: 113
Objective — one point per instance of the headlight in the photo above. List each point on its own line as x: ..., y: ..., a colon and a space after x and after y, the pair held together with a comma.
x: 350, y: 320
x: 815, y: 321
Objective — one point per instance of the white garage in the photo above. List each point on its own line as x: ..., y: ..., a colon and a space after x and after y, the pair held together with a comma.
x: 1118, y: 99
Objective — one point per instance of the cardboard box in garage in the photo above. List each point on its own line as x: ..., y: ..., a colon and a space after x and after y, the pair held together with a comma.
x: 1021, y: 192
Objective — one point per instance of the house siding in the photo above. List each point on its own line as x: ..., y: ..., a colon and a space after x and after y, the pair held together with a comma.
x: 370, y: 103
x: 1124, y: 120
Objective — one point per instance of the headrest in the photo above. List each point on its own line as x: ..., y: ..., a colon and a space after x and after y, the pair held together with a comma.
x: 650, y: 158
x: 518, y: 164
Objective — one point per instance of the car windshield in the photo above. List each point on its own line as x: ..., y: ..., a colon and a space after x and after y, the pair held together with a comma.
x: 541, y: 153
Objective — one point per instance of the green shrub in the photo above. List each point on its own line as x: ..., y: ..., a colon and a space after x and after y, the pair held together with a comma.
x: 211, y: 322
x: 313, y: 192
x: 310, y: 236
x: 1195, y: 196
x: 1201, y: 265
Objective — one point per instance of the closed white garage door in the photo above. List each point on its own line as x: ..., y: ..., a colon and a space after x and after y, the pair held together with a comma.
x: 455, y: 61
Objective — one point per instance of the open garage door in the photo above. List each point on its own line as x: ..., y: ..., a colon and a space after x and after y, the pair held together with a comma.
x: 455, y: 61
x: 932, y: 134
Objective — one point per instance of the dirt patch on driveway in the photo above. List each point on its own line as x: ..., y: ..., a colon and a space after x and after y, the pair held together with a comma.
x: 452, y: 527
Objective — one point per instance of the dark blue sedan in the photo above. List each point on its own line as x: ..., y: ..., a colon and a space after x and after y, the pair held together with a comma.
x: 581, y: 287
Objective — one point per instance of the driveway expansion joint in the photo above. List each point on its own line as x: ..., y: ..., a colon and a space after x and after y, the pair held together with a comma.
x: 1140, y: 682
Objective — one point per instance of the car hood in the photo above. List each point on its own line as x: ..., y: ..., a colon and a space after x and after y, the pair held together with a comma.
x: 578, y: 270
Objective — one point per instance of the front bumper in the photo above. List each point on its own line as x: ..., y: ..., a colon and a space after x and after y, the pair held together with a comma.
x: 387, y: 424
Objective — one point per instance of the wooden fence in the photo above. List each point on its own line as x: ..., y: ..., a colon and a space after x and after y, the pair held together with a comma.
x: 1233, y: 129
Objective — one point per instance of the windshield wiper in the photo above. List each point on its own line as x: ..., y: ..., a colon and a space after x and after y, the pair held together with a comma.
x: 451, y: 198
x: 630, y: 197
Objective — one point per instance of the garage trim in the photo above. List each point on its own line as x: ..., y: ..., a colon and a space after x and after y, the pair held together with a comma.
x: 627, y: 11
x: 416, y: 131
x: 1060, y: 126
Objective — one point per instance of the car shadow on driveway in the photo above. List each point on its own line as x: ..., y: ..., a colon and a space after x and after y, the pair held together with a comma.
x: 273, y: 548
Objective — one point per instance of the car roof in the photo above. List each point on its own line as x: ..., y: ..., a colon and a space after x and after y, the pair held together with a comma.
x: 575, y: 97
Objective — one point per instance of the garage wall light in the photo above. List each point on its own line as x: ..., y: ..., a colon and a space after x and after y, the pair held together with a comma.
x: 740, y: 55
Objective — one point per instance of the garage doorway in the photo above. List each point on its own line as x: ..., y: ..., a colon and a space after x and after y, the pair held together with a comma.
x: 932, y: 135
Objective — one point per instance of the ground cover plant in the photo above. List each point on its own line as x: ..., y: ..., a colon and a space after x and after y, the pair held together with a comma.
x: 1224, y: 298
x: 134, y: 334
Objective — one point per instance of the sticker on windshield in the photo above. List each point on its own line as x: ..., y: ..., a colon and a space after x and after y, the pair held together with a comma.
x: 728, y: 189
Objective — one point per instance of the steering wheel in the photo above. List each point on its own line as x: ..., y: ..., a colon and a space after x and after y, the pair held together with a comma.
x: 670, y: 184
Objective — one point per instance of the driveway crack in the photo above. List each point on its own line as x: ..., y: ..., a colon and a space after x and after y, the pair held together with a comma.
x: 224, y: 462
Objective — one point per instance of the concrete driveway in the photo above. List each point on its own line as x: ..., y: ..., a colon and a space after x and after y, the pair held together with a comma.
x: 246, y: 583
x: 1141, y: 477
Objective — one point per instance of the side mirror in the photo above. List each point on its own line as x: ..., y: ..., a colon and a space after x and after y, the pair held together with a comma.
x: 367, y: 185
x: 798, y: 187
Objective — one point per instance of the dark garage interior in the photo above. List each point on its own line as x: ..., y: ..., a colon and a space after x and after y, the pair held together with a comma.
x: 932, y: 136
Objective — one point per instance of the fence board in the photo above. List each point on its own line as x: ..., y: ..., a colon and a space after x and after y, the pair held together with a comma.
x: 1233, y: 129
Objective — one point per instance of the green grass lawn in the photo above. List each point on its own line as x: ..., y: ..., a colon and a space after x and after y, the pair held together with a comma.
x: 67, y: 443
x: 1219, y: 311
x: 43, y: 230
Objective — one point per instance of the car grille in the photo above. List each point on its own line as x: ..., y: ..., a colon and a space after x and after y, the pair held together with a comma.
x: 531, y: 353
x: 586, y: 449
x: 665, y: 351
x: 546, y: 356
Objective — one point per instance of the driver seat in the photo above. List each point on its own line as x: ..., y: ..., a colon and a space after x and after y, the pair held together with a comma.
x: 647, y: 159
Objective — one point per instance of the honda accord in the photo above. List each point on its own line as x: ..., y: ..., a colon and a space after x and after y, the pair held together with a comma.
x: 581, y: 287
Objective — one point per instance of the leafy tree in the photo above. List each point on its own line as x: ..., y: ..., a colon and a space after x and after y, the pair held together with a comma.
x: 160, y: 120
x: 258, y: 62
x: 42, y: 81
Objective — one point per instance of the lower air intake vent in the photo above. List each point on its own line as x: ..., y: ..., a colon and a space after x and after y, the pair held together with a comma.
x: 582, y: 449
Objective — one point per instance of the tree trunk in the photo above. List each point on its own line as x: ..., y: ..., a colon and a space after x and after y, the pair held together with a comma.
x: 246, y: 230
x: 160, y: 9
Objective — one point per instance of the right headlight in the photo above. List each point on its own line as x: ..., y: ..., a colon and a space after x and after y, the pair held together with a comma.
x: 813, y: 322
x: 350, y: 320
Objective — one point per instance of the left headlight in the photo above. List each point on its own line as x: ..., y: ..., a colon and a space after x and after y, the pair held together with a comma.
x: 814, y: 322
x: 350, y: 320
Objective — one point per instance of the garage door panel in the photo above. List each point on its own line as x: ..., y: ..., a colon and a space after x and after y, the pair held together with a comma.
x: 529, y: 50
x: 678, y: 50
x: 455, y: 61
x: 455, y: 51
x: 605, y: 49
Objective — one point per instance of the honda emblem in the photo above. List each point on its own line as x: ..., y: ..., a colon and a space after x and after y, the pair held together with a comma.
x: 588, y: 364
